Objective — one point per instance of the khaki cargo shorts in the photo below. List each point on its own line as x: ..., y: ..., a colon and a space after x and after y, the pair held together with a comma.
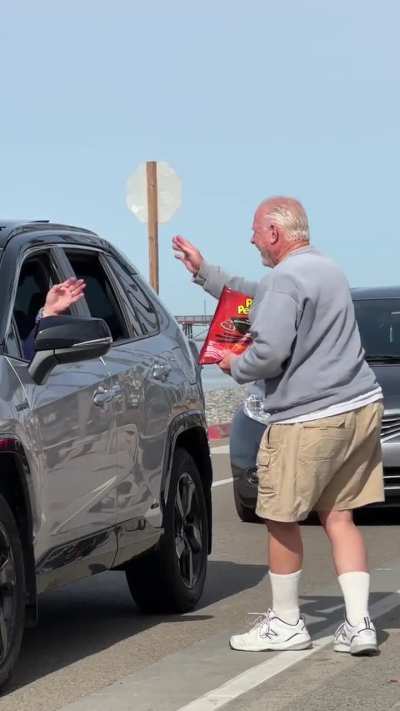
x: 330, y: 464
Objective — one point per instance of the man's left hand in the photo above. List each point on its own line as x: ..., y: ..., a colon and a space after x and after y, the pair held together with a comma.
x: 226, y: 363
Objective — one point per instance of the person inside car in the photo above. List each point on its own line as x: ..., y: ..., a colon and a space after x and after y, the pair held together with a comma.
x: 59, y: 299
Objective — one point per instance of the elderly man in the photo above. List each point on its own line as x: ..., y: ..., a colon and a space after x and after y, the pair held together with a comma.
x: 322, y: 408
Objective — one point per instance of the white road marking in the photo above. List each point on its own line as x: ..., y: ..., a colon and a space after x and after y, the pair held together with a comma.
x: 222, y: 481
x: 220, y: 449
x: 251, y: 678
x: 255, y: 676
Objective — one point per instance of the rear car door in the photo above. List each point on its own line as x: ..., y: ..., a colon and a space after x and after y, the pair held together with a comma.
x: 72, y: 416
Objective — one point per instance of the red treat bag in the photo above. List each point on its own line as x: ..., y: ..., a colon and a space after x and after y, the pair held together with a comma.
x: 228, y: 329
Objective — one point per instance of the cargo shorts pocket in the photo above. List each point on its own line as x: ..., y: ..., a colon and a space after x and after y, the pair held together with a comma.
x: 323, y: 447
x: 267, y: 467
x: 325, y: 440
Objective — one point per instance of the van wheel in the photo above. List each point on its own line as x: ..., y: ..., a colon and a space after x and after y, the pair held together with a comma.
x: 171, y: 577
x: 12, y: 592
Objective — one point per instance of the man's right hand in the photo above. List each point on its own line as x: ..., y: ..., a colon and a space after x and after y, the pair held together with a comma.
x: 187, y: 253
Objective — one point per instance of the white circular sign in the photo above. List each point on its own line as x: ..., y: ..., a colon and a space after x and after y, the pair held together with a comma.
x: 169, y: 192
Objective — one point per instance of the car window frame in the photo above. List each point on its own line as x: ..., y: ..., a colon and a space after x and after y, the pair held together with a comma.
x: 13, y: 328
x: 53, y: 253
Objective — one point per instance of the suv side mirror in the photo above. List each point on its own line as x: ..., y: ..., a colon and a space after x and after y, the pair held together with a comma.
x: 66, y: 339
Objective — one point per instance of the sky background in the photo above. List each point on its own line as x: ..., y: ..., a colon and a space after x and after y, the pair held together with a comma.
x: 243, y: 99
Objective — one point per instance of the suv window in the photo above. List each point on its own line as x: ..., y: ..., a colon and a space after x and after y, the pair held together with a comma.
x: 379, y: 324
x: 143, y: 308
x: 36, y: 277
x: 99, y: 293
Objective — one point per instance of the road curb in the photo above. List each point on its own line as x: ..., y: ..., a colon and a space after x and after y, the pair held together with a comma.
x: 220, y: 431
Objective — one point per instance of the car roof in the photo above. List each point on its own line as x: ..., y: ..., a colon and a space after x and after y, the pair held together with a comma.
x: 376, y: 292
x: 11, y: 228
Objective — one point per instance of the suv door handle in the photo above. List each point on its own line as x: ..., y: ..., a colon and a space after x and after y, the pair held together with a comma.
x: 161, y: 371
x: 102, y: 396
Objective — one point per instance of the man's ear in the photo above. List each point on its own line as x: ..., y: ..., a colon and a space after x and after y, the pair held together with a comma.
x: 275, y: 234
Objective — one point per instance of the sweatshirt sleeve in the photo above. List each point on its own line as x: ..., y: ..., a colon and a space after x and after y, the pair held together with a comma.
x: 273, y: 332
x: 213, y: 279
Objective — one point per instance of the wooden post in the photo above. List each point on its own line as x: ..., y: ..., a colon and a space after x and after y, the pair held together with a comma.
x: 152, y: 206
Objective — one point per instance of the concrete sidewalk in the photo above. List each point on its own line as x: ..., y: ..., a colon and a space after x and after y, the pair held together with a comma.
x: 335, y: 682
x: 322, y: 680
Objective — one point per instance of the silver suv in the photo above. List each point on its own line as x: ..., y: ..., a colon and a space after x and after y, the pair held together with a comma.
x: 105, y: 461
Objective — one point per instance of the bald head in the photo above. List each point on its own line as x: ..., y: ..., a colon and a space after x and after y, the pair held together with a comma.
x: 280, y: 226
x: 287, y: 213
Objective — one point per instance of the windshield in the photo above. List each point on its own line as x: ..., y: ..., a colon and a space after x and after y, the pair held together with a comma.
x: 379, y: 324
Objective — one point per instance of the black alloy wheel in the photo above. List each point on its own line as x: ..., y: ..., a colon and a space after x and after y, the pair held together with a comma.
x: 171, y: 577
x: 189, y: 524
x: 8, y: 593
x: 12, y: 592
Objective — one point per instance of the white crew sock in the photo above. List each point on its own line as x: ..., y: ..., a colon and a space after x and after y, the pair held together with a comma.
x: 355, y: 589
x: 285, y: 596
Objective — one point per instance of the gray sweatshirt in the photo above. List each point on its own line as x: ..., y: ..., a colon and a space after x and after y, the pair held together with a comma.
x: 306, y: 345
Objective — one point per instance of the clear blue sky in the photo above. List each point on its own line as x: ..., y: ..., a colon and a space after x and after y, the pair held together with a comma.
x: 244, y: 99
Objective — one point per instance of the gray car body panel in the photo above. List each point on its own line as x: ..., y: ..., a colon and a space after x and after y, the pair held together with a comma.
x: 95, y: 472
x: 77, y: 448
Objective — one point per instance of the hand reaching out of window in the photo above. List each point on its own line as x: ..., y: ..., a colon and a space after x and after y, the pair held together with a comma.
x: 61, y: 296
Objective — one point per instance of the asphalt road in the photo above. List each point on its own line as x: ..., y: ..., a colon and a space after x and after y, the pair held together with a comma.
x: 94, y: 651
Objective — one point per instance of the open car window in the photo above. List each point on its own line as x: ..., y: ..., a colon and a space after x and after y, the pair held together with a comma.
x: 99, y: 293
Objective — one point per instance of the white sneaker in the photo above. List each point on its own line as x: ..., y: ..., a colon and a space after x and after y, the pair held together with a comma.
x: 270, y: 632
x: 360, y: 639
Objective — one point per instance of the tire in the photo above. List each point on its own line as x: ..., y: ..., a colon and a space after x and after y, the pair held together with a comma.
x: 12, y: 593
x: 246, y: 514
x: 163, y: 580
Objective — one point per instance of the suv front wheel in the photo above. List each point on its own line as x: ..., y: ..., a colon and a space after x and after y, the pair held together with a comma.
x: 171, y: 577
x: 12, y: 592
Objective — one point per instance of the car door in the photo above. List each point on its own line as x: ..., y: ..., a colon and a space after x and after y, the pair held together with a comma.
x: 72, y: 417
x: 158, y: 382
x: 142, y: 400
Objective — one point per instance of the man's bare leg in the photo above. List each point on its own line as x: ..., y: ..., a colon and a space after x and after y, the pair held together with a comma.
x: 283, y: 628
x: 348, y: 548
x: 350, y: 559
x: 285, y: 557
x: 285, y: 547
x: 357, y: 634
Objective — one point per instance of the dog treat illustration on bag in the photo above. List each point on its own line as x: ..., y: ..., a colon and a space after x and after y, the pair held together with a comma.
x: 229, y: 327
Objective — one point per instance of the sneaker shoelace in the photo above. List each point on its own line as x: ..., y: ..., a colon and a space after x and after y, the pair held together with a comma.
x: 262, y: 623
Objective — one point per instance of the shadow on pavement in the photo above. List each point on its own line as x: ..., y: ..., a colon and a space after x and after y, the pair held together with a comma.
x: 84, y: 619
x: 226, y: 578
x: 329, y: 610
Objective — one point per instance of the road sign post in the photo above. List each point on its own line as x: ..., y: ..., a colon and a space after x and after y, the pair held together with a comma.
x: 154, y: 193
x: 152, y: 222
